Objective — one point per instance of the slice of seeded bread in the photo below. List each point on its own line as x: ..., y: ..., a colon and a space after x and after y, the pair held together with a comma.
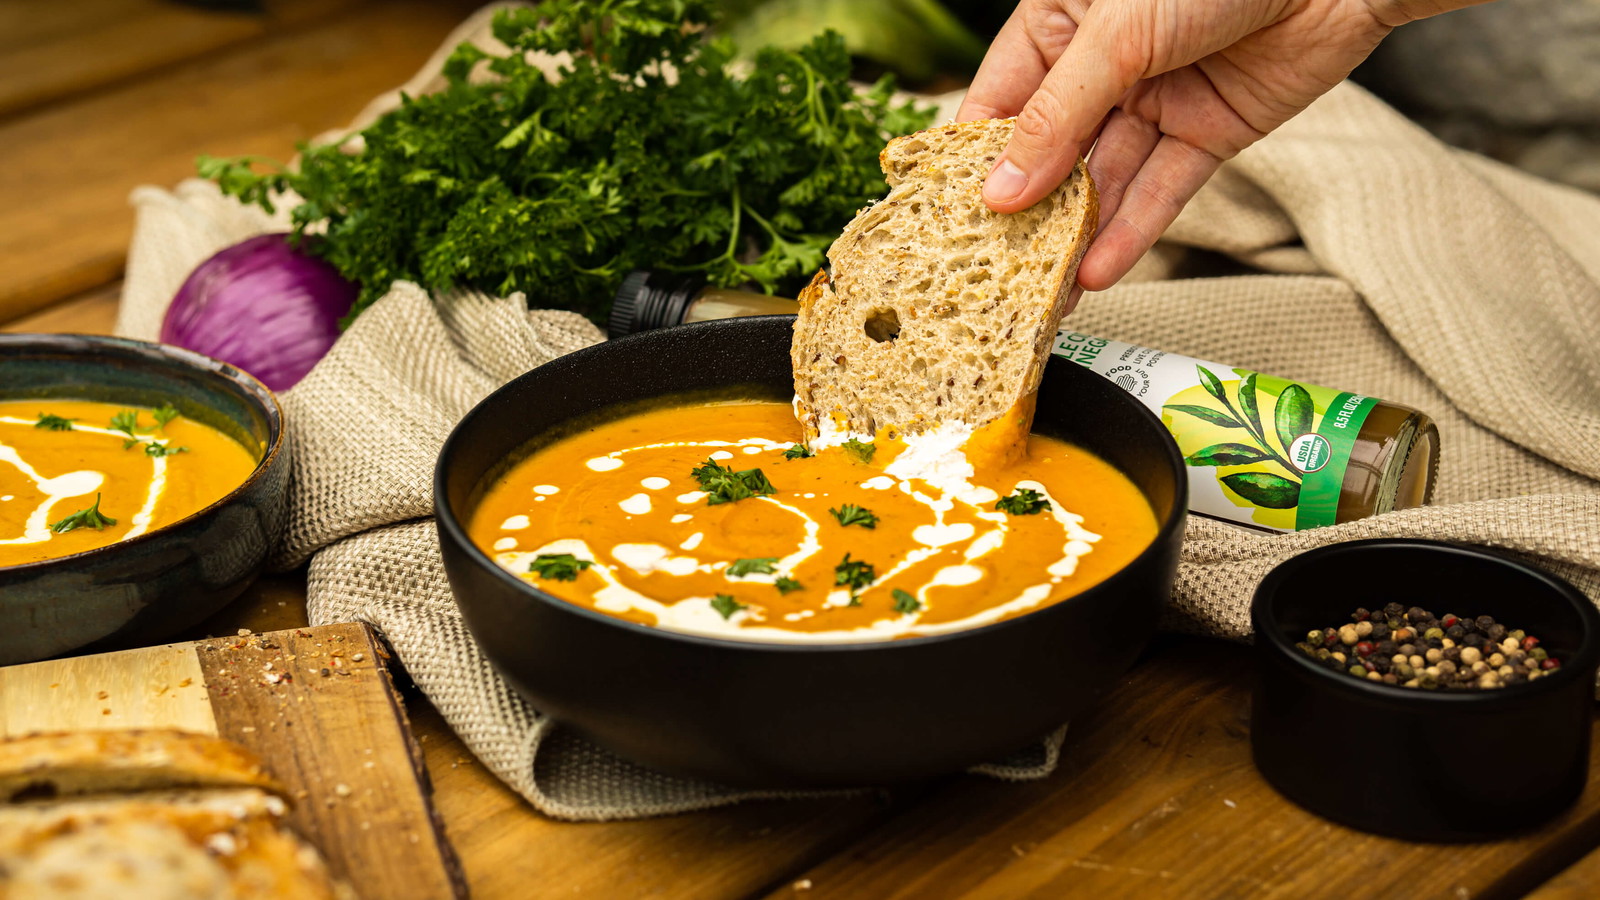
x: 938, y: 309
x: 89, y: 762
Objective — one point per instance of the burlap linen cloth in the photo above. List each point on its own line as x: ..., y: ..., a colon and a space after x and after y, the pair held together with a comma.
x: 1371, y: 258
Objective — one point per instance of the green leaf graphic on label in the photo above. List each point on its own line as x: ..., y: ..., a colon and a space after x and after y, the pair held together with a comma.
x: 1209, y: 415
x: 1213, y: 384
x: 1294, y: 414
x: 1264, y: 489
x: 1226, y: 455
x: 1247, y: 402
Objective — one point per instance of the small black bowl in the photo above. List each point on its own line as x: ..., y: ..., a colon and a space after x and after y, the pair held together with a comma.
x: 1422, y: 765
x: 145, y: 589
x: 794, y: 715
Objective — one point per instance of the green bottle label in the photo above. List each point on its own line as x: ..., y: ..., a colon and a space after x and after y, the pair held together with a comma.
x: 1260, y: 450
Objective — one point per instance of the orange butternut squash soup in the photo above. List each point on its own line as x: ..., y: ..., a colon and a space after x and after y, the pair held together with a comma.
x: 76, y: 475
x: 712, y: 520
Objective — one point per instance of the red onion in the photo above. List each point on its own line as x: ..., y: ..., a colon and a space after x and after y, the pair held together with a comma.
x: 263, y: 306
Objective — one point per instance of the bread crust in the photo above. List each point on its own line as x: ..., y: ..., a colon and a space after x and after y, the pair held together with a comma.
x: 938, y: 309
x: 192, y: 843
x: 46, y: 765
x: 155, y: 813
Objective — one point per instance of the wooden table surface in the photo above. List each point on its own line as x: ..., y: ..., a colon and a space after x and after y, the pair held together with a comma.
x: 1155, y: 797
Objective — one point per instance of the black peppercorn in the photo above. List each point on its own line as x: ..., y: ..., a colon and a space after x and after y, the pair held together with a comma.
x: 1412, y: 652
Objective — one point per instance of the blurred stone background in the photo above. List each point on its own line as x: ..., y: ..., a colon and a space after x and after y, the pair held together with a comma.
x: 1517, y: 80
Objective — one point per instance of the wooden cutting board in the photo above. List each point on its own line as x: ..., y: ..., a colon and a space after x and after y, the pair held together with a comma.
x: 317, y: 704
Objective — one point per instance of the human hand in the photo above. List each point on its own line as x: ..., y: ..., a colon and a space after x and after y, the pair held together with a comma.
x: 1164, y: 91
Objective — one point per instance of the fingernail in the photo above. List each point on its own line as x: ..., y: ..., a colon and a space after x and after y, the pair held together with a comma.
x: 1004, y: 183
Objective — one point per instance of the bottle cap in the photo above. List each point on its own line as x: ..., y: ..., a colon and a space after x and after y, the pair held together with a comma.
x: 648, y: 300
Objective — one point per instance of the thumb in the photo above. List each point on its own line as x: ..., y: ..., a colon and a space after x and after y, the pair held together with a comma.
x: 1061, y: 118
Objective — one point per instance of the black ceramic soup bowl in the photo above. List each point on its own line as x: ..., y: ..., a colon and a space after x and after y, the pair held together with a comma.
x: 794, y: 715
x: 145, y: 589
x: 1433, y: 765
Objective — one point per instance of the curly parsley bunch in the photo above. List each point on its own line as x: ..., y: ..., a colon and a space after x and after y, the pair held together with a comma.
x: 645, y: 151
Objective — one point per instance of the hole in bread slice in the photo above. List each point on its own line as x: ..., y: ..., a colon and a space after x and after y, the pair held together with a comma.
x: 883, y: 325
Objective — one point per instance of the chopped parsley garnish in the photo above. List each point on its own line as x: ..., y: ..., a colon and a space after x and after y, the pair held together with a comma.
x: 126, y: 421
x: 854, y: 574
x: 164, y: 414
x: 798, y: 451
x: 159, y: 450
x: 723, y: 485
x: 53, y: 423
x: 859, y: 450
x: 905, y: 602
x: 1025, y: 502
x: 558, y: 566
x: 850, y: 514
x: 786, y: 584
x: 90, y: 517
x: 725, y: 604
x: 763, y: 565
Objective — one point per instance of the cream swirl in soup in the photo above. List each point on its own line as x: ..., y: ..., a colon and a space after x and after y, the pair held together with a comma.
x: 712, y: 520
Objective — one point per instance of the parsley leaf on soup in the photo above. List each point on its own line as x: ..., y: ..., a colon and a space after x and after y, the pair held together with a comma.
x: 763, y: 565
x: 725, y: 604
x: 724, y: 485
x: 89, y: 517
x: 854, y: 574
x: 558, y: 566
x: 126, y: 421
x: 860, y: 450
x: 850, y: 514
x: 1025, y: 502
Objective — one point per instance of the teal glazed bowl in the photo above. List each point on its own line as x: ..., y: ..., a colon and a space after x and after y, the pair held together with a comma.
x: 145, y: 589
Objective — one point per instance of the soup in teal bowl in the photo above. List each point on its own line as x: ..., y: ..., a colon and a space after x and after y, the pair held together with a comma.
x: 141, y: 489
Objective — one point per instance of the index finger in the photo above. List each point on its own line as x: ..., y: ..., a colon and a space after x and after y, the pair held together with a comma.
x: 1104, y: 59
x: 1011, y: 71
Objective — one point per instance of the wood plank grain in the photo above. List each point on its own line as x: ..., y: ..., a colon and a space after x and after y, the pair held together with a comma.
x: 49, y: 51
x: 1579, y: 881
x: 131, y: 689
x: 318, y: 706
x: 92, y: 312
x: 508, y: 850
x: 1157, y: 797
x: 66, y: 223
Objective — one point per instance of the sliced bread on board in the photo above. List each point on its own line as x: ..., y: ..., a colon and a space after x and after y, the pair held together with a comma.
x: 149, y: 813
x: 938, y: 309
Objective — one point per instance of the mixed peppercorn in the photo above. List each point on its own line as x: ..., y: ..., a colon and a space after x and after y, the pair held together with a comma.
x: 1414, y: 648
